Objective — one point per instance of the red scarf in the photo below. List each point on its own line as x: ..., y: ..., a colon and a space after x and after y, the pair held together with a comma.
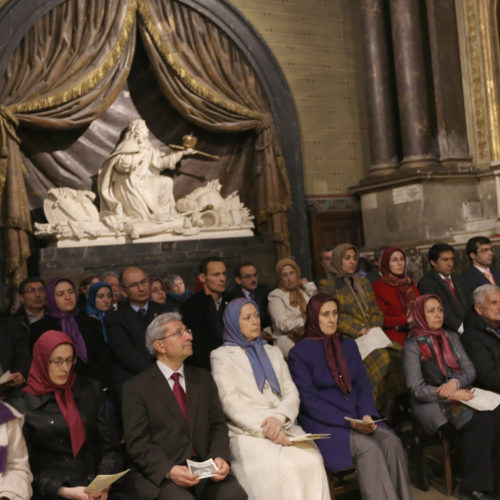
x: 331, y: 343
x: 406, y: 292
x: 443, y: 352
x: 39, y: 382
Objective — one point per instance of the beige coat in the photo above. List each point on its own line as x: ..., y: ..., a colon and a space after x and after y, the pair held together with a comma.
x: 285, y: 317
x: 15, y: 482
x: 266, y: 470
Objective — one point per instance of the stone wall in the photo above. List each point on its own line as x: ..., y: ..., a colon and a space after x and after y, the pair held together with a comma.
x: 317, y: 44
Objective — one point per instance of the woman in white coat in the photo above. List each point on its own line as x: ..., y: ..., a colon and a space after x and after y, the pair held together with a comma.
x: 261, y: 404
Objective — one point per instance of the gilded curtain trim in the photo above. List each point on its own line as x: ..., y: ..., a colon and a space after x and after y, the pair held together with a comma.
x: 8, y: 125
x: 90, y: 82
x: 189, y: 80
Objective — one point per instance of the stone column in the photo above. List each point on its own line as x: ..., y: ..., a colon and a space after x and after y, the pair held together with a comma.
x: 382, y: 123
x: 448, y: 90
x: 411, y: 84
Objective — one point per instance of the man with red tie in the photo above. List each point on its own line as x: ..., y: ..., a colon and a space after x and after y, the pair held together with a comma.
x: 171, y: 413
x: 447, y: 285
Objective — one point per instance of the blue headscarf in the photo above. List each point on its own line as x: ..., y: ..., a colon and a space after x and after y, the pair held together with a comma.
x: 261, y: 365
x: 91, y: 307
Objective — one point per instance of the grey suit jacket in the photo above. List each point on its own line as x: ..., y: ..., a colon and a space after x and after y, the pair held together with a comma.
x: 156, y: 434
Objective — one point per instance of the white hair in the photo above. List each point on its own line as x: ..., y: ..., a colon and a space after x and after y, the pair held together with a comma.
x: 155, y: 331
x: 479, y: 295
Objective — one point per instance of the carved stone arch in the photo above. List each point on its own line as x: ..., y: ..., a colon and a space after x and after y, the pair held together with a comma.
x: 17, y: 16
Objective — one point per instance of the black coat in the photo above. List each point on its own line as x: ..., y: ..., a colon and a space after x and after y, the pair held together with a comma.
x: 482, y: 344
x: 99, y: 360
x: 126, y: 339
x: 455, y: 308
x: 473, y: 278
x: 49, y: 443
x: 200, y: 314
x: 261, y: 293
x: 15, y: 351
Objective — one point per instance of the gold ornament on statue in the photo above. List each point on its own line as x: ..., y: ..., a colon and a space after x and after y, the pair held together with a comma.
x: 190, y: 141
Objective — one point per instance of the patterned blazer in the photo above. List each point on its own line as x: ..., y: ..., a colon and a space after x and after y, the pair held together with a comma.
x: 351, y: 319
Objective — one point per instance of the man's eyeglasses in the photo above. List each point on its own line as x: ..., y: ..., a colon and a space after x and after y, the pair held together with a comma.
x: 34, y: 290
x: 60, y: 362
x: 179, y: 333
x: 136, y: 284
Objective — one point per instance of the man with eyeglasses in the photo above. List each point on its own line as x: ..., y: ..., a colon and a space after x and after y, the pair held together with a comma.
x: 15, y: 352
x: 127, y: 325
x: 248, y: 286
x: 171, y: 413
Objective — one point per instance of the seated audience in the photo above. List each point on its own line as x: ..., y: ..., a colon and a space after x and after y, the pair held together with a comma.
x: 439, y: 375
x: 127, y: 325
x: 83, y: 288
x: 480, y: 272
x: 171, y: 412
x: 32, y: 297
x: 176, y: 289
x: 100, y: 302
x: 333, y: 384
x: 113, y: 279
x: 68, y: 431
x: 157, y: 291
x: 481, y: 338
x: 359, y: 313
x: 261, y: 404
x: 287, y: 304
x: 447, y: 285
x: 62, y: 314
x: 375, y: 273
x: 15, y: 473
x: 325, y: 258
x: 395, y: 293
x: 203, y: 311
x: 248, y: 286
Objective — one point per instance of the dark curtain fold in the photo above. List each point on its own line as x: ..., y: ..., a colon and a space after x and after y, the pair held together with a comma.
x: 211, y: 84
x: 66, y: 71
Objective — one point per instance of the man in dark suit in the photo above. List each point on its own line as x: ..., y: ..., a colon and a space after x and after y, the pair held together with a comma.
x: 480, y: 272
x: 447, y: 285
x: 171, y: 413
x: 481, y: 339
x: 203, y: 311
x: 127, y: 325
x: 248, y: 287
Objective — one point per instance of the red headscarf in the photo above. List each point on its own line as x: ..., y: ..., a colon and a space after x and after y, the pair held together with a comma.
x: 406, y: 292
x: 39, y: 382
x: 331, y: 343
x: 445, y: 357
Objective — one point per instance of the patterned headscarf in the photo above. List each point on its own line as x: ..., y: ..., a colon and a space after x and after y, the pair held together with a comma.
x: 39, y: 382
x: 331, y: 343
x: 259, y: 360
x: 445, y: 357
x: 67, y: 319
x: 352, y: 282
x: 295, y: 296
x: 406, y: 292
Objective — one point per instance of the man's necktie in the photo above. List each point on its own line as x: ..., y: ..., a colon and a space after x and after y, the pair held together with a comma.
x: 252, y: 295
x: 179, y: 395
x: 488, y: 274
x: 450, y: 286
x: 143, y: 316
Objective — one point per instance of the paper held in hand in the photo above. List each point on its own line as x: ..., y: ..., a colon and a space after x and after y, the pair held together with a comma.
x: 359, y: 421
x: 483, y: 400
x: 203, y: 469
x: 5, y: 377
x: 308, y: 437
x: 103, y: 481
x: 374, y: 339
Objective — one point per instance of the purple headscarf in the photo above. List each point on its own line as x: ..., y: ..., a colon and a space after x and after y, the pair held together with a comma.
x: 6, y: 415
x: 259, y: 360
x: 68, y: 321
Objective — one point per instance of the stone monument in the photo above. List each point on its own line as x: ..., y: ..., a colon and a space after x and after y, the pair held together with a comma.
x: 137, y: 203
